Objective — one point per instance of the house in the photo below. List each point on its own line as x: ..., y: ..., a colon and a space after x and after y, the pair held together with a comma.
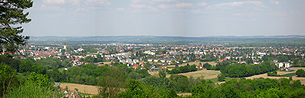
x: 283, y: 64
x: 199, y: 66
x: 154, y: 68
x: 149, y: 60
x: 135, y: 66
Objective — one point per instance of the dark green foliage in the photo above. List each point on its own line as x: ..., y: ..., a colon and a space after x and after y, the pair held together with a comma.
x: 207, y: 66
x: 221, y: 65
x: 243, y: 70
x: 221, y: 77
x: 181, y: 82
x: 88, y: 59
x: 90, y: 74
x: 300, y: 73
x: 159, y: 83
x: 273, y: 73
x: 51, y: 63
x: 177, y: 83
x: 7, y: 78
x: 162, y: 74
x: 55, y: 75
x: 183, y: 69
x: 36, y: 86
x: 205, y: 91
x: 85, y: 74
x: 6, y: 59
x: 11, y: 17
x: 30, y: 65
x: 243, y: 88
x: 136, y: 89
x: 137, y: 74
x: 39, y: 79
x: 112, y: 82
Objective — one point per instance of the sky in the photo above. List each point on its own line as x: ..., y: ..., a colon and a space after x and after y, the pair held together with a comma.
x: 191, y: 18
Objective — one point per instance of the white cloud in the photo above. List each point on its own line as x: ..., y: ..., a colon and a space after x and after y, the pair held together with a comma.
x: 146, y: 1
x: 202, y: 4
x: 183, y: 4
x: 240, y: 3
x: 77, y: 2
x: 163, y: 0
x: 136, y: 1
x: 55, y: 1
x: 164, y: 6
x: 237, y: 4
x: 102, y: 2
x: 137, y: 6
x: 120, y: 9
x: 275, y: 2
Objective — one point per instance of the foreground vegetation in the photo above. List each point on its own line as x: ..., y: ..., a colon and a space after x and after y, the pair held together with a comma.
x: 121, y: 81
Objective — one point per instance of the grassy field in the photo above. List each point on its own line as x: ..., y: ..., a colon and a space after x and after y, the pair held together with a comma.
x: 170, y: 67
x: 203, y: 74
x: 85, y: 89
x: 284, y: 73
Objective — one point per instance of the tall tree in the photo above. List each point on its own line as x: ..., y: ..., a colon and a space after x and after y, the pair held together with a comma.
x: 12, y: 16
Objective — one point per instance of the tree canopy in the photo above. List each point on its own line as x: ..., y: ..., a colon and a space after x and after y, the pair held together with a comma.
x: 12, y: 15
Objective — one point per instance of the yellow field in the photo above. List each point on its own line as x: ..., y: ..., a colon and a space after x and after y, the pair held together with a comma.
x: 203, y: 74
x: 88, y: 89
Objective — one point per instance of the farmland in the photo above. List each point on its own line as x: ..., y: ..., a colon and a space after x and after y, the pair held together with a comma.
x: 202, y: 74
x: 302, y: 79
x: 88, y: 89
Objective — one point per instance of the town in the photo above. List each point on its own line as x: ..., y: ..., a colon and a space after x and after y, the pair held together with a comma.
x: 150, y: 56
x: 152, y: 49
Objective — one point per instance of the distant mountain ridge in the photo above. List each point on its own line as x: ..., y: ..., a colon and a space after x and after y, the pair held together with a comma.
x: 150, y: 38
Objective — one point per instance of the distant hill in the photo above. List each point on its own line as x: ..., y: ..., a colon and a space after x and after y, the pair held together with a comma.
x: 256, y: 40
x: 150, y: 38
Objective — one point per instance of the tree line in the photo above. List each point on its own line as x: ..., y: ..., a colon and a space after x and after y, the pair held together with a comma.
x: 244, y: 70
x: 182, y: 69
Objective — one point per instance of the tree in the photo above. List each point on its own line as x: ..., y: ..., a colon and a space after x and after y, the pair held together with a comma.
x: 207, y: 66
x: 36, y: 86
x: 300, y: 73
x: 182, y: 82
x: 7, y: 76
x: 111, y: 82
x: 221, y: 77
x: 162, y: 74
x: 137, y: 89
x: 11, y: 17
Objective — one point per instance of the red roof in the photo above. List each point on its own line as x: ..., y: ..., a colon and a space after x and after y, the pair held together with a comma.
x: 135, y: 66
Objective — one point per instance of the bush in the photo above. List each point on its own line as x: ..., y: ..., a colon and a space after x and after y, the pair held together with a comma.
x: 274, y: 73
x: 300, y: 73
x: 137, y: 89
x: 221, y: 77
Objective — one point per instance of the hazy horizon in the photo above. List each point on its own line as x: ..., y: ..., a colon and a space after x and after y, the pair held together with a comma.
x: 167, y: 36
x: 190, y: 18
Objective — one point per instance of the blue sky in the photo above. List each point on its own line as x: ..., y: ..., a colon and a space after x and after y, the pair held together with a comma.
x: 166, y: 18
